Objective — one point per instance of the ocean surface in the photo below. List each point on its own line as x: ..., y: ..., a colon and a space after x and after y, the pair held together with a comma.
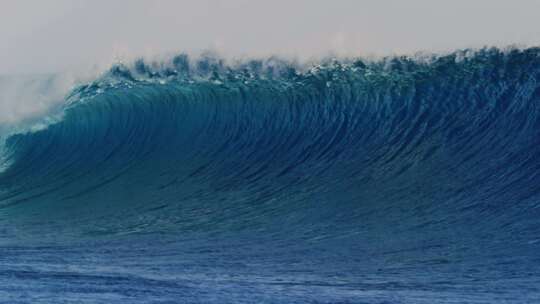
x: 200, y: 180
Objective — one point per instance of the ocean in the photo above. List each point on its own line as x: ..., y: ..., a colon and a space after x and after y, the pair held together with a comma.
x: 200, y: 180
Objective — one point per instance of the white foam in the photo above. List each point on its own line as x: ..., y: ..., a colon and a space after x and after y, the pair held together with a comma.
x: 26, y: 97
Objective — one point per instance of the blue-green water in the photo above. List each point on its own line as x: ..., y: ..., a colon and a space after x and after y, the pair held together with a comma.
x: 197, y: 181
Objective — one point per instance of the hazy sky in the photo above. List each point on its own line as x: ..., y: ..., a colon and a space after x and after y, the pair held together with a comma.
x: 45, y: 36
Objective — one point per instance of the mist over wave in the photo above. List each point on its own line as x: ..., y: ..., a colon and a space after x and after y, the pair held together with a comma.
x: 398, y: 180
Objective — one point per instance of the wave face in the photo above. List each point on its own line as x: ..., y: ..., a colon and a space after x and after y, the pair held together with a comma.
x: 394, y: 181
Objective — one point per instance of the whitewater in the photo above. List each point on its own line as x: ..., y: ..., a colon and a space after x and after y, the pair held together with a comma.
x: 201, y: 180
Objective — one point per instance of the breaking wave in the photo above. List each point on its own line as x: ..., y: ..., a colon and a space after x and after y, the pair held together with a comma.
x: 437, y: 159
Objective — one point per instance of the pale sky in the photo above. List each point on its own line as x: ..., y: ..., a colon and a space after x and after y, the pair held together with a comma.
x: 56, y: 35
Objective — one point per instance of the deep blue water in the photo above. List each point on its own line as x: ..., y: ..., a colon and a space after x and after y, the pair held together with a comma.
x: 392, y: 181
